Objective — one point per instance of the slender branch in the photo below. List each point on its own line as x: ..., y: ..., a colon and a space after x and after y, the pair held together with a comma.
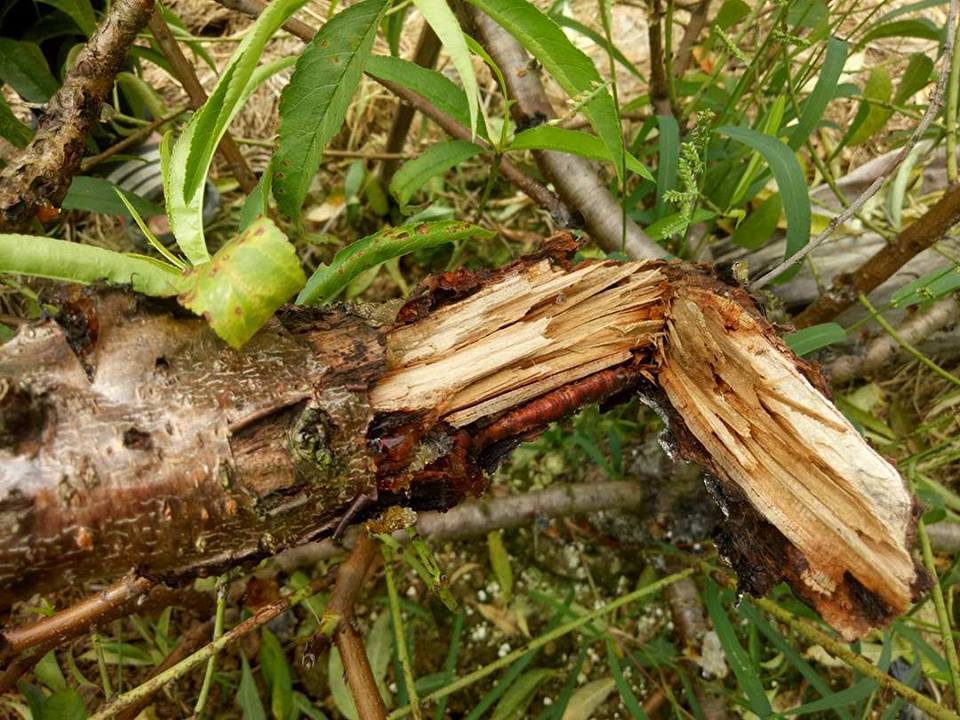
x: 659, y: 95
x: 535, y: 191
x: 185, y: 73
x: 425, y: 55
x: 574, y: 177
x: 39, y: 175
x: 130, y: 140
x: 936, y: 102
x: 698, y: 21
x: 885, y: 348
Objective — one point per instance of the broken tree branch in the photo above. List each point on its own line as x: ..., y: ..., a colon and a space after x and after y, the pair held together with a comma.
x: 136, y: 417
x: 38, y: 176
x: 185, y: 73
x: 575, y: 178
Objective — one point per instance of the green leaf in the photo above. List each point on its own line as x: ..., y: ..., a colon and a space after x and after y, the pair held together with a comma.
x: 74, y: 262
x: 871, y: 117
x: 11, y: 129
x: 598, y: 39
x: 569, y: 66
x: 249, y: 278
x: 668, y: 160
x: 551, y: 137
x: 314, y: 102
x: 588, y: 697
x: 754, y: 232
x: 429, y: 84
x: 730, y: 13
x: 917, y: 76
x: 809, y: 339
x: 627, y: 695
x: 248, y: 698
x: 513, y: 704
x: 379, y: 648
x: 933, y: 285
x: 80, y: 11
x: 738, y: 658
x: 190, y: 158
x: 276, y: 671
x: 435, y: 160
x: 823, y: 92
x: 329, y: 280
x: 444, y: 23
x: 837, y: 700
x: 24, y: 68
x: 66, y: 704
x: 923, y: 28
x: 302, y: 703
x: 789, y: 176
x: 257, y: 202
x: 48, y: 672
x: 99, y: 195
x: 500, y: 562
x: 338, y: 686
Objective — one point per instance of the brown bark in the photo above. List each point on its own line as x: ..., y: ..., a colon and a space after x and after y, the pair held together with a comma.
x: 39, y: 175
x: 133, y: 437
x: 928, y: 229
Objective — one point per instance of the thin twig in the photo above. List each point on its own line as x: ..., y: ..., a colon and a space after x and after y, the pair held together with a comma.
x: 185, y: 73
x: 949, y: 646
x: 403, y: 652
x: 936, y: 102
x: 132, y: 139
x: 698, y: 21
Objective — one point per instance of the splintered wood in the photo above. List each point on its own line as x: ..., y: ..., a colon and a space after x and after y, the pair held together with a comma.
x: 535, y: 330
x: 844, y: 509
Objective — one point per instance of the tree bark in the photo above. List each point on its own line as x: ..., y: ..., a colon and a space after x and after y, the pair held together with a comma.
x: 131, y: 436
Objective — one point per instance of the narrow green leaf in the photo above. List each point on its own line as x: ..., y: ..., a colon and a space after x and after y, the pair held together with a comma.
x: 338, y: 686
x: 598, y: 39
x: 257, y: 202
x: 99, y: 195
x: 435, y: 160
x: 379, y: 647
x: 513, y: 704
x: 790, y: 181
x: 190, y: 158
x: 551, y: 137
x: 314, y: 102
x: 668, y: 160
x: 11, y: 129
x: 872, y: 117
x: 922, y: 28
x: 809, y: 339
x: 933, y: 285
x: 429, y: 84
x: 48, y: 672
x: 754, y: 232
x: 588, y: 697
x: 248, y: 698
x: 80, y: 11
x: 627, y: 695
x: 917, y: 76
x: 738, y: 658
x: 24, y: 68
x: 329, y: 280
x: 568, y: 65
x: 276, y: 671
x: 823, y: 92
x: 837, y: 700
x: 500, y: 562
x: 74, y: 262
x: 249, y: 278
x: 444, y: 23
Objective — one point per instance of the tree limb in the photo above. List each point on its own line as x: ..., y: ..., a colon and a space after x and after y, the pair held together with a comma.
x: 40, y: 174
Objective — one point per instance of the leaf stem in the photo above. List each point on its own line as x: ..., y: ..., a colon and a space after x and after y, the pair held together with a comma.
x: 946, y: 631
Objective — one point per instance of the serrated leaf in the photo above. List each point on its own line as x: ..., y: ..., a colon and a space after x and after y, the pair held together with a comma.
x: 440, y: 17
x: 585, y: 701
x: 435, y: 160
x: 248, y: 279
x: 248, y: 697
x: 314, y: 102
x: 11, y: 129
x: 190, y: 157
x: 95, y: 194
x: 500, y: 562
x: 790, y: 181
x: 871, y: 117
x: 823, y: 92
x: 329, y: 280
x: 80, y: 11
x: 568, y: 65
x: 513, y: 704
x: 754, y: 232
x: 809, y: 339
x: 276, y: 671
x: 24, y: 68
x: 551, y: 137
x: 429, y: 84
x: 75, y: 262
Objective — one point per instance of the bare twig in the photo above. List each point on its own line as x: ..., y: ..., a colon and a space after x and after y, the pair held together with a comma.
x: 129, y: 141
x: 535, y: 191
x: 187, y: 76
x: 659, y: 94
x: 425, y: 55
x: 885, y: 348
x: 936, y: 102
x: 40, y: 174
x: 698, y: 21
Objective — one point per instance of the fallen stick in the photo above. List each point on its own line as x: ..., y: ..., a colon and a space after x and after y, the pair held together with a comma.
x: 131, y: 436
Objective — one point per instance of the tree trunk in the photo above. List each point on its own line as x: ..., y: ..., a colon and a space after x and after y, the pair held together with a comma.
x: 131, y: 437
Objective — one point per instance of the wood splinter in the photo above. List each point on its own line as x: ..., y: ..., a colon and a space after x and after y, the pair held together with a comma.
x: 131, y: 436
